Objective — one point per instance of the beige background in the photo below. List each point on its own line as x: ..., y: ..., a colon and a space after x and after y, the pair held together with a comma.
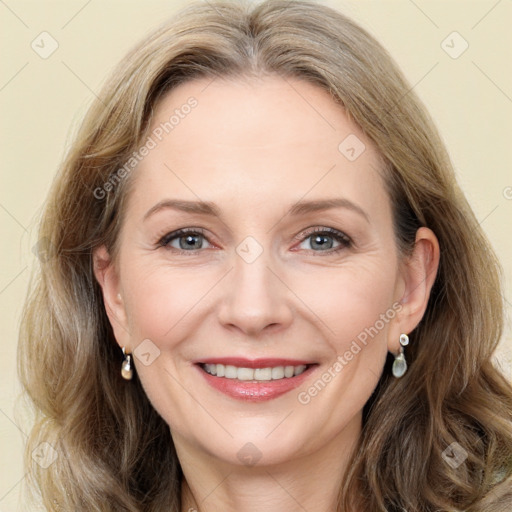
x: 470, y: 98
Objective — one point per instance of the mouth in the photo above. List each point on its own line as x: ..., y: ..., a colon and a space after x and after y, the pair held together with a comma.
x: 266, y: 374
x: 255, y: 380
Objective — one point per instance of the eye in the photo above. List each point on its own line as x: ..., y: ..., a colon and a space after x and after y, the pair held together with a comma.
x: 185, y: 240
x: 324, y: 240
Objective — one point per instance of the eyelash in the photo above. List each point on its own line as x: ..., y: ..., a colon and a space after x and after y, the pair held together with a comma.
x: 344, y: 240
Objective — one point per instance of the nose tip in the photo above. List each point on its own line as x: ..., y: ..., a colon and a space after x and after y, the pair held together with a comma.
x: 254, y: 299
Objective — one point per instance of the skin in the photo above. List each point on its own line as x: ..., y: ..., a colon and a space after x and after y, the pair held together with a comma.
x: 255, y: 147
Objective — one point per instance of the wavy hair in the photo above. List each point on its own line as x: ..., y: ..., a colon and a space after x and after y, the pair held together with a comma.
x: 112, y: 446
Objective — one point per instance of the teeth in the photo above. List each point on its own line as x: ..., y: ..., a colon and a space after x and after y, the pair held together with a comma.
x: 288, y: 371
x: 211, y: 368
x: 277, y: 372
x: 263, y: 374
x: 259, y: 374
x: 299, y: 369
x: 245, y: 374
x: 230, y: 372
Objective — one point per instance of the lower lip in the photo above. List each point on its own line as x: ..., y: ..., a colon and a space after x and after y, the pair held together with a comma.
x: 256, y: 391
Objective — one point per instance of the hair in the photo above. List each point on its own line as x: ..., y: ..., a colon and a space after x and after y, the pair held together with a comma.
x: 112, y: 446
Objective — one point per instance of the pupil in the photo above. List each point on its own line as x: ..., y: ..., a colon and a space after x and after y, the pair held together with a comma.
x: 190, y: 240
x: 321, y: 241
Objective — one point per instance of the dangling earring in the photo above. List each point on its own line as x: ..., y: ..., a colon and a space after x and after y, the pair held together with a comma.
x: 126, y: 367
x: 400, y: 364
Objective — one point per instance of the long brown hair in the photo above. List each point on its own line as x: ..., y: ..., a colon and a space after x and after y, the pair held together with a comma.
x: 111, y: 446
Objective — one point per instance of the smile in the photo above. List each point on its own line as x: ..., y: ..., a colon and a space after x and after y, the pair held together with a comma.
x: 258, y: 374
x: 254, y: 380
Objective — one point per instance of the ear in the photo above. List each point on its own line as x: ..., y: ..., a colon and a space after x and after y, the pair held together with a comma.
x: 418, y: 273
x: 107, y: 276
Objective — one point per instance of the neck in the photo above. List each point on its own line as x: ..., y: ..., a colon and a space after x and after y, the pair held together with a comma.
x: 307, y: 482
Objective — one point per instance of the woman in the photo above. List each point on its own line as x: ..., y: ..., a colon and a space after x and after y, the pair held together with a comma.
x: 263, y: 288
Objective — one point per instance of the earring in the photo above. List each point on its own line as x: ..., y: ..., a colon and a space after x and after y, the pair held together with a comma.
x: 126, y: 367
x: 400, y: 364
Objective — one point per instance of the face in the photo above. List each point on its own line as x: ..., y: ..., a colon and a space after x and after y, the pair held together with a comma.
x: 257, y: 238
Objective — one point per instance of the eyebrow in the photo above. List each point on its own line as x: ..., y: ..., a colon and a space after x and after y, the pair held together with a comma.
x: 299, y: 208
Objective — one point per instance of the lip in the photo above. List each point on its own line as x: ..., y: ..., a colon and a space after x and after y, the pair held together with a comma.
x: 255, y: 391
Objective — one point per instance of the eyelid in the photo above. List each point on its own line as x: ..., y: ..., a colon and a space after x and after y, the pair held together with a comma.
x: 343, y: 239
x: 318, y: 229
x: 165, y: 239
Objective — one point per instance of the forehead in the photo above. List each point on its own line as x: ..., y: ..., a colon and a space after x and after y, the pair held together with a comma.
x: 260, y: 113
x: 253, y: 138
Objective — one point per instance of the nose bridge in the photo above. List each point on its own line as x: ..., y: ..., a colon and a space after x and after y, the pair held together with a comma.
x: 254, y: 297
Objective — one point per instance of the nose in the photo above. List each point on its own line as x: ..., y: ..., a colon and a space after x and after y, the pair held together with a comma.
x: 255, y: 299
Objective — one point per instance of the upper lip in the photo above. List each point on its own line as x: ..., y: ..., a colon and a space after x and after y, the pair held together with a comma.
x: 242, y: 362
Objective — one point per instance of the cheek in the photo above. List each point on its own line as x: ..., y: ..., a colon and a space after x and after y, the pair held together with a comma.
x: 340, y: 306
x: 356, y: 307
x: 160, y: 299
x: 351, y: 299
x: 345, y: 302
x: 162, y: 307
